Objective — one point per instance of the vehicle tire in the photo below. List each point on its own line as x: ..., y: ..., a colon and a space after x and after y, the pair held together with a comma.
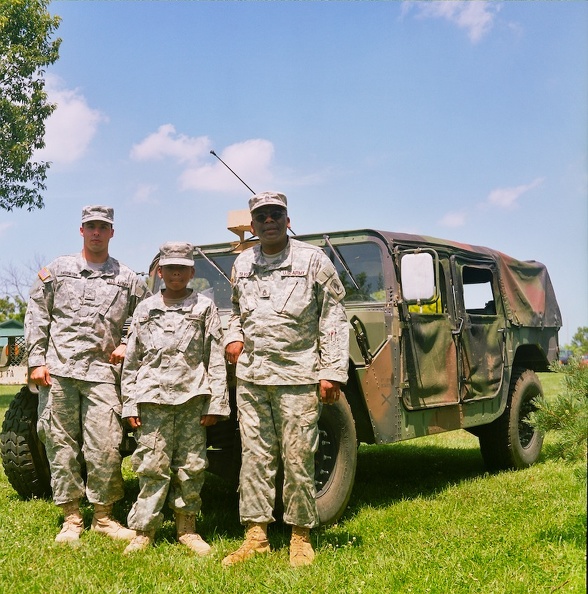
x: 23, y: 455
x: 335, y: 460
x: 511, y: 442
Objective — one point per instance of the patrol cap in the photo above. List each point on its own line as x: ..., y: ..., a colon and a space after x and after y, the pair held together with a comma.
x: 176, y: 252
x: 266, y: 198
x: 98, y: 213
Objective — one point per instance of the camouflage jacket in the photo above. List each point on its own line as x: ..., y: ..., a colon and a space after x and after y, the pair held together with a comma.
x: 290, y: 316
x: 175, y: 353
x: 75, y: 317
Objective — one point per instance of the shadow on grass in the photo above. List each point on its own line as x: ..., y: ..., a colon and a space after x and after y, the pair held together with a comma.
x: 387, y: 474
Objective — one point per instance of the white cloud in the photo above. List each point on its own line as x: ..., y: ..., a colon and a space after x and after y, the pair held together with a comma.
x: 476, y: 17
x: 4, y: 227
x: 144, y: 194
x: 507, y: 198
x: 167, y: 143
x: 454, y: 219
x: 70, y: 129
x: 250, y: 160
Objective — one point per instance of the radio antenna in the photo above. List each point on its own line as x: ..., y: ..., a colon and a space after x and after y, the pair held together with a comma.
x: 213, y: 153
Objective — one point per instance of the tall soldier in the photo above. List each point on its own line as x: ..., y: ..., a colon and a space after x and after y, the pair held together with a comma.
x: 74, y: 334
x: 288, y: 336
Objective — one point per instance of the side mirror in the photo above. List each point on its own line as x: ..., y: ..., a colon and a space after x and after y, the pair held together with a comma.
x: 417, y: 276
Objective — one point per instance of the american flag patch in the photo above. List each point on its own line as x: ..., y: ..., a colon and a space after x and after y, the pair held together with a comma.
x: 44, y: 274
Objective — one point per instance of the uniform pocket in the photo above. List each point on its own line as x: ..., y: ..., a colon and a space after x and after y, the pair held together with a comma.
x: 290, y: 298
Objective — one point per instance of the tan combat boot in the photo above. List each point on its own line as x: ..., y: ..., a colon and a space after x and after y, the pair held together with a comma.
x: 301, y: 552
x: 73, y: 523
x: 104, y: 523
x: 142, y: 540
x: 186, y: 528
x: 256, y: 542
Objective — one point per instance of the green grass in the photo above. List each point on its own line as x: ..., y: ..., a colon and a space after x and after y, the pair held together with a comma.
x: 424, y: 517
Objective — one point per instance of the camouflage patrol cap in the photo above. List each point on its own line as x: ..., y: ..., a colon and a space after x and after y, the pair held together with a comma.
x: 179, y: 253
x: 98, y: 213
x: 266, y: 198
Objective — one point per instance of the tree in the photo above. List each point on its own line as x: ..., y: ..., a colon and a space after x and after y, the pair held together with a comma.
x: 25, y: 51
x: 580, y: 341
x: 15, y: 283
x: 12, y: 308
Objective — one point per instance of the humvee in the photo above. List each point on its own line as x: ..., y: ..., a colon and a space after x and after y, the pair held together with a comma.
x: 443, y: 336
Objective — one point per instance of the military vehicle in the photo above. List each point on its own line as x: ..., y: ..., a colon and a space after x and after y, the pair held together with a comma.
x: 443, y: 336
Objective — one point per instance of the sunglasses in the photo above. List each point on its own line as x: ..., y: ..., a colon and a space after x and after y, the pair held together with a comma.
x: 275, y: 215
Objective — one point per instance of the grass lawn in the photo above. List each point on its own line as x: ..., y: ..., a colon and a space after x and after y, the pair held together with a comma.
x: 424, y: 517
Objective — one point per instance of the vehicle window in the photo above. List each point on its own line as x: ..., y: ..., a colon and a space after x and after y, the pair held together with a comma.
x: 478, y: 295
x: 210, y: 282
x: 365, y: 263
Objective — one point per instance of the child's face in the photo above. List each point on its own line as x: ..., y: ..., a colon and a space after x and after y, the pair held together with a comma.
x: 175, y: 277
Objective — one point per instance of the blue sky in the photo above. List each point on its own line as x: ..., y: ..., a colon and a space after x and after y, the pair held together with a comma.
x: 460, y: 120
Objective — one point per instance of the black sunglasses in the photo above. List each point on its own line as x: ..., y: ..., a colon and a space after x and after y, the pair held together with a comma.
x: 275, y: 215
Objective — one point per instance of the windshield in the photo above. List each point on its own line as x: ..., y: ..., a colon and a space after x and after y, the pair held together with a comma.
x: 364, y: 261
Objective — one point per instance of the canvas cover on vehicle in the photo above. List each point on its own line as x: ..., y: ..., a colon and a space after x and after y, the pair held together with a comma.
x: 528, y: 293
x: 526, y: 288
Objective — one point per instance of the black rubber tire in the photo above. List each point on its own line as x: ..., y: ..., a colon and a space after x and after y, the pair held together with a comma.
x: 23, y: 455
x: 335, y: 460
x: 510, y: 442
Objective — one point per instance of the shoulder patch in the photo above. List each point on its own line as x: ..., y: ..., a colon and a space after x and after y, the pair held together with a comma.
x: 329, y: 280
x: 44, y: 274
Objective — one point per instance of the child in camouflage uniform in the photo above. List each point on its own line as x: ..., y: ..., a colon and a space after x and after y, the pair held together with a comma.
x: 173, y: 386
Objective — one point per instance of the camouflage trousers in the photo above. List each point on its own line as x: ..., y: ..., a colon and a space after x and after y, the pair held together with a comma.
x: 79, y: 423
x: 170, y: 460
x: 278, y: 421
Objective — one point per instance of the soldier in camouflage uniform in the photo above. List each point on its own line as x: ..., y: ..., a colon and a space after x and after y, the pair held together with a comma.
x: 288, y: 337
x: 74, y: 334
x: 174, y: 386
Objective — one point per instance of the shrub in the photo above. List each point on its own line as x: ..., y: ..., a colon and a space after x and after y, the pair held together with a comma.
x: 567, y: 414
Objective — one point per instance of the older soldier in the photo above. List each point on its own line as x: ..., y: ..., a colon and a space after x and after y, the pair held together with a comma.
x: 74, y: 335
x: 288, y: 336
x: 174, y: 386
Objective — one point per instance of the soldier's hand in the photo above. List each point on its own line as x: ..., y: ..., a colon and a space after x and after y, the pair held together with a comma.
x: 329, y: 391
x: 118, y: 354
x: 40, y: 376
x: 232, y: 351
x: 134, y: 422
x: 208, y: 420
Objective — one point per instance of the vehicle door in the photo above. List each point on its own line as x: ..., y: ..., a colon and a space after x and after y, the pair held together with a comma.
x: 481, y: 327
x: 428, y: 341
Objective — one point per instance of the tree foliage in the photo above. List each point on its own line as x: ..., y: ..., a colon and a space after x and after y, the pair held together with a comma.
x: 579, y: 344
x: 26, y: 49
x: 12, y: 308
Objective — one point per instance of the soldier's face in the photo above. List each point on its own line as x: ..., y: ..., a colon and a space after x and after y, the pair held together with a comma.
x: 97, y: 235
x: 270, y: 224
x: 175, y: 277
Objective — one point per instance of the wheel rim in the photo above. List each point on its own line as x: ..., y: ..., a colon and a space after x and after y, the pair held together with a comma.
x: 325, y: 458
